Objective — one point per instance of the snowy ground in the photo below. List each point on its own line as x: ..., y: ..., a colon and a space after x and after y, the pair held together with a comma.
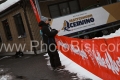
x: 72, y: 67
x: 5, y: 75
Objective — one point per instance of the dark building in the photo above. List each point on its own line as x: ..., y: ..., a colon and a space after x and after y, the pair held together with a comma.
x: 18, y: 24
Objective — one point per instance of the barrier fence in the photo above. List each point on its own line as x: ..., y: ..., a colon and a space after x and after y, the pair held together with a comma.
x: 99, y: 56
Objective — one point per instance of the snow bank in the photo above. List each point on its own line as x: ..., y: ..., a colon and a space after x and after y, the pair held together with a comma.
x: 116, y: 34
x: 7, y: 4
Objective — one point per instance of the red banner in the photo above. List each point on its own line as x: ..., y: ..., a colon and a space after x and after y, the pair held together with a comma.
x: 99, y: 56
x: 35, y: 11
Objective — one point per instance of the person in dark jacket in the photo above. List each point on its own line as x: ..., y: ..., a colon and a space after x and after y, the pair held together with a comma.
x: 48, y: 35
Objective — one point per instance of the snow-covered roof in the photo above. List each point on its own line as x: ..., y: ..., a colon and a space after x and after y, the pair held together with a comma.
x: 7, y: 4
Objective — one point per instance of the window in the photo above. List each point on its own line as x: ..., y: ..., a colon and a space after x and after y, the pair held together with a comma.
x: 19, y: 26
x: 54, y: 10
x: 74, y: 6
x: 0, y: 39
x: 64, y: 8
x: 7, y: 30
x: 112, y: 1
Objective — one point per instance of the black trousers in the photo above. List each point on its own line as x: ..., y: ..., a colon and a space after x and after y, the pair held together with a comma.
x: 54, y: 58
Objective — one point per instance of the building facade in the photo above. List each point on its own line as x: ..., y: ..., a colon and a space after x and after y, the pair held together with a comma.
x: 18, y: 25
x: 16, y: 30
x: 57, y: 8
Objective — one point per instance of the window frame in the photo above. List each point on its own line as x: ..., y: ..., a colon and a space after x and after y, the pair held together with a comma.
x: 112, y: 1
x: 17, y: 26
x: 79, y: 8
x: 0, y: 39
x: 5, y: 30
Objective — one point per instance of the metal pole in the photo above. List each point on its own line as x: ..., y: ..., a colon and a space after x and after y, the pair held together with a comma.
x: 38, y: 8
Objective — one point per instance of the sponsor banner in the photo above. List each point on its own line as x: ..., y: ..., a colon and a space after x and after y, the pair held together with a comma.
x: 99, y: 56
x: 80, y: 21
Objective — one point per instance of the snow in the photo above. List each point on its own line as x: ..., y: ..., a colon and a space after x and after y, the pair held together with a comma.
x: 75, y: 68
x: 116, y: 34
x: 72, y: 67
x: 7, y: 76
x: 7, y: 4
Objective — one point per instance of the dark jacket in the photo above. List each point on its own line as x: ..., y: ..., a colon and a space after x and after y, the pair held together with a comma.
x: 48, y: 33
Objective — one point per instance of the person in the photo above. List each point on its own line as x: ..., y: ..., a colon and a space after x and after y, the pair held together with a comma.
x: 48, y: 35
